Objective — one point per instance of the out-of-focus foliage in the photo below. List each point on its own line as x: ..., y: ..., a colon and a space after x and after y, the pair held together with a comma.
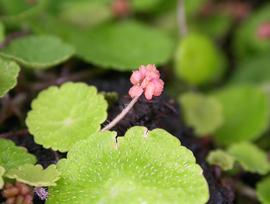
x: 221, y: 158
x: 253, y: 71
x: 2, y: 32
x: 2, y: 171
x: 8, y: 78
x: 17, y: 12
x: 122, y: 46
x: 201, y: 112
x: 198, y: 61
x: 247, y: 42
x: 38, y: 52
x: 246, y: 114
x: 263, y: 189
x: 251, y: 158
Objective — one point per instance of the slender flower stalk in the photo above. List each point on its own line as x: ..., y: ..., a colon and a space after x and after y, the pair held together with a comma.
x: 145, y: 81
x: 181, y: 18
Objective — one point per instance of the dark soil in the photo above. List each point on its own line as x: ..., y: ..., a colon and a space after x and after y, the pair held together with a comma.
x: 161, y: 112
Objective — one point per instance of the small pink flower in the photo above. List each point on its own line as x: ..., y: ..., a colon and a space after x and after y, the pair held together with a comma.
x: 147, y: 80
x: 135, y: 91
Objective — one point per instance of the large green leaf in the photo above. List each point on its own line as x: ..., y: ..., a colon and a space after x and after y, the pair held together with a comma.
x: 35, y: 175
x: 123, y: 46
x: 12, y: 156
x: 8, y: 78
x: 250, y: 157
x: 62, y: 116
x: 246, y: 114
x: 143, y: 167
x: 201, y: 112
x: 38, y: 52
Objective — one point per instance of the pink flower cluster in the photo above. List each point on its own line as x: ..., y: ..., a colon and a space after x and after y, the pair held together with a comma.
x: 146, y: 80
x: 264, y: 31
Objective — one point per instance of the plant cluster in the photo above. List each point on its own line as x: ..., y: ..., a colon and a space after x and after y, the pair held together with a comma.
x: 213, y: 56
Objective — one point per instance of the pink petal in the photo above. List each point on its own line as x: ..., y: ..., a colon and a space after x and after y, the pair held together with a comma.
x: 145, y: 82
x: 135, y: 91
x: 159, y: 85
x: 149, y: 91
x: 136, y: 77
x: 152, y: 71
x: 143, y: 70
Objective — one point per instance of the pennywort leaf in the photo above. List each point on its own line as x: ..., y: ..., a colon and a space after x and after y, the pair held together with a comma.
x: 250, y: 157
x: 221, y: 158
x: 198, y: 61
x: 122, y: 46
x: 201, y: 112
x: 35, y: 175
x: 61, y: 116
x: 8, y: 78
x: 142, y: 167
x: 246, y: 114
x: 38, y: 52
x: 12, y: 156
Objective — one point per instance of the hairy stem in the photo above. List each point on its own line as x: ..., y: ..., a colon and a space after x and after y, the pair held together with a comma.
x: 181, y: 18
x: 122, y: 114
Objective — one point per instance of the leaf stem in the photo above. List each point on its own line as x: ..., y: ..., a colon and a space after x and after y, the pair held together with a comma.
x: 181, y: 18
x: 122, y: 114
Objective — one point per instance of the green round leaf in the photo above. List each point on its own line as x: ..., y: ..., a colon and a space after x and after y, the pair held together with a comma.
x: 221, y: 158
x: 247, y: 42
x: 12, y: 156
x: 2, y: 171
x: 202, y: 113
x: 62, y: 116
x: 144, y: 167
x: 250, y: 157
x: 263, y: 189
x: 38, y: 51
x: 122, y: 46
x: 253, y: 70
x: 246, y: 114
x: 35, y: 175
x: 8, y: 78
x: 198, y: 61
